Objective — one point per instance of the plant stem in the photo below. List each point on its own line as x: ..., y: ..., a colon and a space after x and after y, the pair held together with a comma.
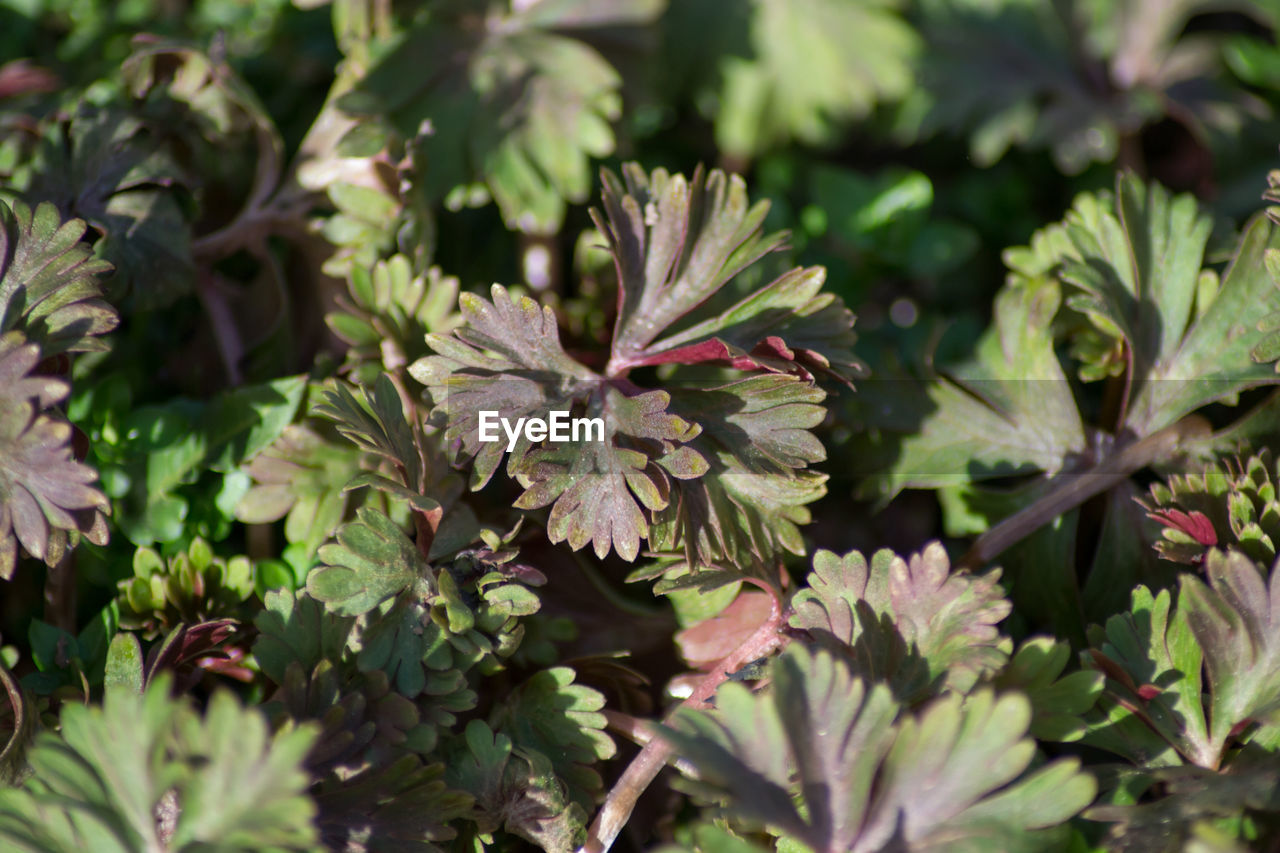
x: 60, y: 593
x: 644, y: 768
x: 1075, y: 488
x: 10, y: 750
x: 639, y: 732
x: 225, y: 334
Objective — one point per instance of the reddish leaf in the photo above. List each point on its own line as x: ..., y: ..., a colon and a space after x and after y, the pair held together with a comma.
x: 1195, y: 524
x: 711, y: 640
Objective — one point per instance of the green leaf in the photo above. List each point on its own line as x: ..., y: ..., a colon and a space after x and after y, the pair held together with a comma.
x: 1130, y: 265
x: 388, y: 314
x: 953, y: 776
x: 708, y: 838
x: 45, y: 493
x: 1234, y: 618
x: 1134, y: 265
x: 295, y: 628
x: 910, y: 623
x: 242, y: 422
x: 376, y: 426
x: 371, y: 562
x: 517, y: 790
x: 1058, y: 702
x: 403, y: 805
x: 1201, y: 810
x: 1225, y: 504
x: 1152, y: 711
x: 105, y: 166
x: 814, y: 66
x: 50, y: 286
x: 109, y: 779
x: 407, y: 646
x: 1134, y: 260
x: 167, y: 446
x: 191, y: 587
x: 124, y: 664
x: 555, y: 717
x: 300, y: 477
x: 1006, y: 411
x: 1017, y: 73
x: 379, y: 426
x: 251, y: 789
x: 521, y: 103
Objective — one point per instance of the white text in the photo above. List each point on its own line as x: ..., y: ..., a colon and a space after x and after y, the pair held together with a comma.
x: 557, y: 427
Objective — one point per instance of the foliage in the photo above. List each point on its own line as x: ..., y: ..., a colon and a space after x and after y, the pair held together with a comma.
x: 910, y: 624
x: 861, y: 777
x: 148, y: 772
x: 512, y: 103
x: 1027, y: 74
x: 681, y: 466
x: 996, y: 572
x: 195, y: 586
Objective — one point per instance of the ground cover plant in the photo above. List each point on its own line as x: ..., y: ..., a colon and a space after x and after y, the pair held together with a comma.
x: 926, y: 495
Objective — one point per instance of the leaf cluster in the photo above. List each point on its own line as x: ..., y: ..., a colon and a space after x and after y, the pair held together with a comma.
x: 273, y: 582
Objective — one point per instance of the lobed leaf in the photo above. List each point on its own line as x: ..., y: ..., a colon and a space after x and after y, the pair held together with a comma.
x: 812, y: 67
x: 1058, y: 702
x: 712, y: 471
x: 551, y: 715
x: 104, y: 165
x: 1152, y: 709
x: 371, y: 561
x: 388, y: 313
x: 404, y: 805
x: 1235, y: 619
x: 676, y: 244
x: 50, y: 283
x: 910, y: 623
x: 1007, y: 410
x: 294, y: 628
x: 1229, y: 504
x: 146, y: 772
x: 827, y: 760
x: 508, y: 359
x: 45, y: 493
x: 300, y: 477
x: 517, y: 790
x: 511, y: 97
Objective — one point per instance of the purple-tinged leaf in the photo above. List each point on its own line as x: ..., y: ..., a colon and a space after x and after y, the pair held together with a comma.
x: 866, y: 777
x: 911, y: 622
x: 1235, y: 619
x: 675, y: 245
x: 713, y: 472
x: 50, y: 283
x: 1231, y: 504
x: 44, y: 491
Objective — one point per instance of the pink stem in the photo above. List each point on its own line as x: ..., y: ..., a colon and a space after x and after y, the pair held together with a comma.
x: 644, y: 768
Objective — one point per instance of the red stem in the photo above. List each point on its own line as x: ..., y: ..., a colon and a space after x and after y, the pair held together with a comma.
x: 644, y: 768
